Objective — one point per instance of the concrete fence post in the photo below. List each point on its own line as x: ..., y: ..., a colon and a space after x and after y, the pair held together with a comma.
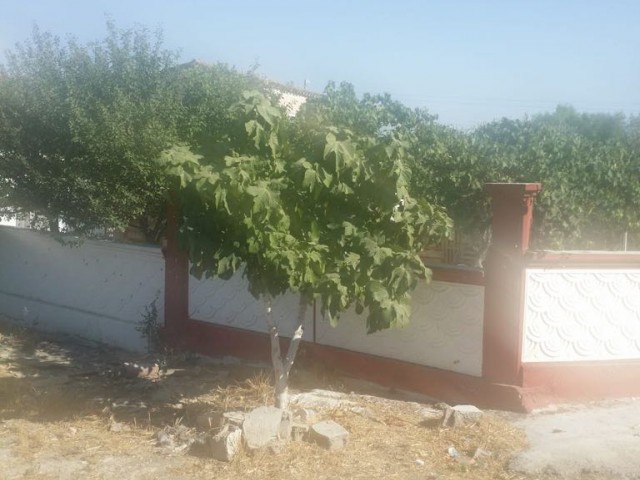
x: 512, y: 207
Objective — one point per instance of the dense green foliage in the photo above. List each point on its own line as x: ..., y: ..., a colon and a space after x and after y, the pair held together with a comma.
x: 319, y: 204
x: 81, y: 125
x: 588, y: 164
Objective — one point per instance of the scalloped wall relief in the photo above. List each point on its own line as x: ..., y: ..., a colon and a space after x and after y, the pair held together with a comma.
x: 581, y: 315
x: 445, y: 330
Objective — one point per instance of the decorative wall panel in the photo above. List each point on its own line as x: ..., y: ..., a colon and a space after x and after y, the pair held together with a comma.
x: 445, y: 330
x: 581, y: 315
x: 228, y: 302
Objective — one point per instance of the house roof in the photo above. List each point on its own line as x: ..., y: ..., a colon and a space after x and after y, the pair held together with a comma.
x: 291, y: 97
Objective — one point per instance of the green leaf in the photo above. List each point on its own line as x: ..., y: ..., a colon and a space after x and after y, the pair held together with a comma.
x: 310, y: 179
x: 377, y: 292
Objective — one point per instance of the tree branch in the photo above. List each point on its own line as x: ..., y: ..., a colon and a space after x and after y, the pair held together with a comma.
x: 297, y: 336
x: 276, y: 356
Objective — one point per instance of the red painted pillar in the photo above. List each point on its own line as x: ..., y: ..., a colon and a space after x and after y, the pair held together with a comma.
x: 512, y: 206
x: 176, y: 278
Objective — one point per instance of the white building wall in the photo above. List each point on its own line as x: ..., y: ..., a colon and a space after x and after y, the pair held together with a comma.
x: 581, y: 315
x: 98, y: 290
x: 8, y: 221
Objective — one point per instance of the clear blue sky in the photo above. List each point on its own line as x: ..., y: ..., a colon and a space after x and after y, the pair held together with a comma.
x: 467, y: 61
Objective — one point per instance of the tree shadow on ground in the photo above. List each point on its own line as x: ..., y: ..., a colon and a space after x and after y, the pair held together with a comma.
x: 52, y: 378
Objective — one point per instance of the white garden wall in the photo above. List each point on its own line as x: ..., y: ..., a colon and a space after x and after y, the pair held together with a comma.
x: 229, y: 303
x: 98, y: 290
x: 445, y: 329
x: 581, y: 314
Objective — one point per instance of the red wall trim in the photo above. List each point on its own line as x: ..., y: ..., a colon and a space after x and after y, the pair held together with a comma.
x: 465, y: 276
x: 552, y: 259
x: 543, y: 383
x: 581, y: 381
x: 217, y: 340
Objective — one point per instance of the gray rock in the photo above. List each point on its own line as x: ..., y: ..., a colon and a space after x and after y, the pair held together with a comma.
x: 321, y: 399
x: 461, y: 415
x: 305, y: 415
x: 118, y: 427
x: 176, y: 439
x: 364, y: 412
x: 233, y: 418
x: 330, y: 435
x: 299, y: 431
x: 430, y: 414
x: 226, y: 444
x: 209, y: 420
x: 261, y: 427
x: 276, y: 447
x: 286, y: 425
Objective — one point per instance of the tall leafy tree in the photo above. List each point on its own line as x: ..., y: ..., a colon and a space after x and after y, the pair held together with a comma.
x: 315, y: 205
x: 82, y: 125
x: 588, y: 165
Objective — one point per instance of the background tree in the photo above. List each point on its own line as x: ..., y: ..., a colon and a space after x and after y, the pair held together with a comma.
x: 589, y: 166
x: 82, y: 125
x: 307, y: 205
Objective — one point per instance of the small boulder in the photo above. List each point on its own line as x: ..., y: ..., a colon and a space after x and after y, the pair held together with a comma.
x: 175, y: 438
x: 461, y: 415
x: 262, y: 427
x: 226, y: 444
x: 299, y: 431
x: 319, y: 399
x: 430, y: 414
x: 305, y: 415
x: 286, y: 426
x: 209, y: 420
x: 235, y: 418
x: 330, y: 435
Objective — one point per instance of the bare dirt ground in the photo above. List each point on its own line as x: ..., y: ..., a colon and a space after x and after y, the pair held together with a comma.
x: 65, y: 413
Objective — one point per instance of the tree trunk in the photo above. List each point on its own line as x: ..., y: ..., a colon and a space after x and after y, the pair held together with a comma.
x: 282, y: 368
x: 54, y: 225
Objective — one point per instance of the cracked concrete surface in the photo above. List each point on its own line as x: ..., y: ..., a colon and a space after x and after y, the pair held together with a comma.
x: 599, y: 439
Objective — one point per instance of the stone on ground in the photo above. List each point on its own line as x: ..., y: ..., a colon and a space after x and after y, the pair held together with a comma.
x: 305, y: 415
x: 461, y: 415
x: 321, y: 399
x: 208, y: 420
x: 286, y: 427
x: 330, y: 435
x: 235, y: 418
x: 430, y: 414
x: 226, y: 444
x: 299, y: 431
x: 175, y: 438
x: 262, y: 427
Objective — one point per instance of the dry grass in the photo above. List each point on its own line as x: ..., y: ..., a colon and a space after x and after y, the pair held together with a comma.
x: 65, y: 414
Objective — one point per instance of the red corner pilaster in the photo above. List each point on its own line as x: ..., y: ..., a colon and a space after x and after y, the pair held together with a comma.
x: 176, y: 278
x: 512, y: 206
